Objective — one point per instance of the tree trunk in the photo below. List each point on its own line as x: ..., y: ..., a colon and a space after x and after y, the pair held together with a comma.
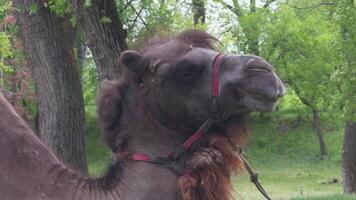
x: 316, y: 118
x: 349, y: 158
x: 104, y: 33
x: 199, y: 11
x: 319, y: 132
x: 252, y: 37
x: 48, y: 42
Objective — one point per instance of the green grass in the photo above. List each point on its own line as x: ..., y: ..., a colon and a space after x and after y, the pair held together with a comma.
x: 332, y: 197
x: 285, y: 154
x: 284, y: 150
x: 98, y: 155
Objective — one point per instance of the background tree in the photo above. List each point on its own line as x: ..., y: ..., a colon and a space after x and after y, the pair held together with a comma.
x: 198, y: 7
x: 250, y: 18
x: 104, y: 34
x: 48, y: 41
x: 300, y: 45
x: 346, y: 17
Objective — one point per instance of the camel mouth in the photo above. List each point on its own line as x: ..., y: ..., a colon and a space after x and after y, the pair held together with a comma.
x: 259, y: 103
x: 256, y: 102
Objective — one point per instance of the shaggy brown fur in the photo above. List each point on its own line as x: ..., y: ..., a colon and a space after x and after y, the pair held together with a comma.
x: 211, y: 166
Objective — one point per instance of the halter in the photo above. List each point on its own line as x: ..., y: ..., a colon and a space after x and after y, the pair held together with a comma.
x: 172, y: 161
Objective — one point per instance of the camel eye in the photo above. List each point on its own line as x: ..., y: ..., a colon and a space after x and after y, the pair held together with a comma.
x: 187, y: 71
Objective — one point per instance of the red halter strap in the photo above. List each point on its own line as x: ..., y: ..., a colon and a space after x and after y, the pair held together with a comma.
x: 172, y: 161
x: 216, y: 74
x: 214, y: 109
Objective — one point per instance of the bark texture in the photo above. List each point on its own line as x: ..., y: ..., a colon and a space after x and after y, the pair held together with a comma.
x: 319, y: 132
x: 105, y: 35
x: 349, y: 158
x: 48, y: 42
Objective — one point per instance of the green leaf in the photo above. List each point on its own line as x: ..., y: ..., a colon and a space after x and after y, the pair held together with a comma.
x: 105, y: 20
x: 33, y: 8
x: 88, y: 3
x: 60, y: 7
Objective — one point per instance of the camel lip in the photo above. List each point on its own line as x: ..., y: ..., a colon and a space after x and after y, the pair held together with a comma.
x: 240, y: 93
x: 261, y: 97
x: 259, y: 104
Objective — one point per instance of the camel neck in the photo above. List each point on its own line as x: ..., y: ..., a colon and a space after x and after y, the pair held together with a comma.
x: 145, y: 133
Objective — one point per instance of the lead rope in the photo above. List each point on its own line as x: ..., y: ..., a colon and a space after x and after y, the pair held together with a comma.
x: 254, y: 177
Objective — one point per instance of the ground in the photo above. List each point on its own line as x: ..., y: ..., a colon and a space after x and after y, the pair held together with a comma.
x: 282, y: 148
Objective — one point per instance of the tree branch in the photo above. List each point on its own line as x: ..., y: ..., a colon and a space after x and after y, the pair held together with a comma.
x: 310, y: 7
x: 226, y: 5
x: 236, y: 10
x: 268, y: 3
x: 127, y: 4
x: 295, y: 86
x: 252, y: 6
x: 139, y: 16
x: 135, y: 20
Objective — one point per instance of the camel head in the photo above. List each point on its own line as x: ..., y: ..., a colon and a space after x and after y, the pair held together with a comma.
x: 176, y: 77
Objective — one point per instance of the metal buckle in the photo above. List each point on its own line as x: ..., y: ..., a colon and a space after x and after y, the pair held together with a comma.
x: 175, y: 166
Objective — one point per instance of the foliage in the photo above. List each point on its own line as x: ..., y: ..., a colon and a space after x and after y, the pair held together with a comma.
x: 5, y: 51
x: 145, y: 19
x: 33, y: 9
x: 300, y: 46
x: 60, y: 7
x: 98, y: 155
x: 346, y: 74
x: 88, y: 3
x: 15, y: 80
x: 105, y: 20
x: 89, y: 82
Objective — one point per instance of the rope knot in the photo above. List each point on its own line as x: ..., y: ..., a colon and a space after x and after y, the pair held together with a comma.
x: 254, y: 177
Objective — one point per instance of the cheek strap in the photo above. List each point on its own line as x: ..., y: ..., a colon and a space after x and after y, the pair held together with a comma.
x: 214, y: 105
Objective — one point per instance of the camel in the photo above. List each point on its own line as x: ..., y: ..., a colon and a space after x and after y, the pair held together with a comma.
x: 174, y: 121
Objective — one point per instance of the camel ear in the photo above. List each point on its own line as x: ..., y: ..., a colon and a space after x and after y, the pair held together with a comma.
x: 135, y: 61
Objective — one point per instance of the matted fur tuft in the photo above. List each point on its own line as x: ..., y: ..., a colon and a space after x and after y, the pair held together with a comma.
x: 213, y: 164
x: 197, y: 38
x: 190, y: 38
x: 110, y: 108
